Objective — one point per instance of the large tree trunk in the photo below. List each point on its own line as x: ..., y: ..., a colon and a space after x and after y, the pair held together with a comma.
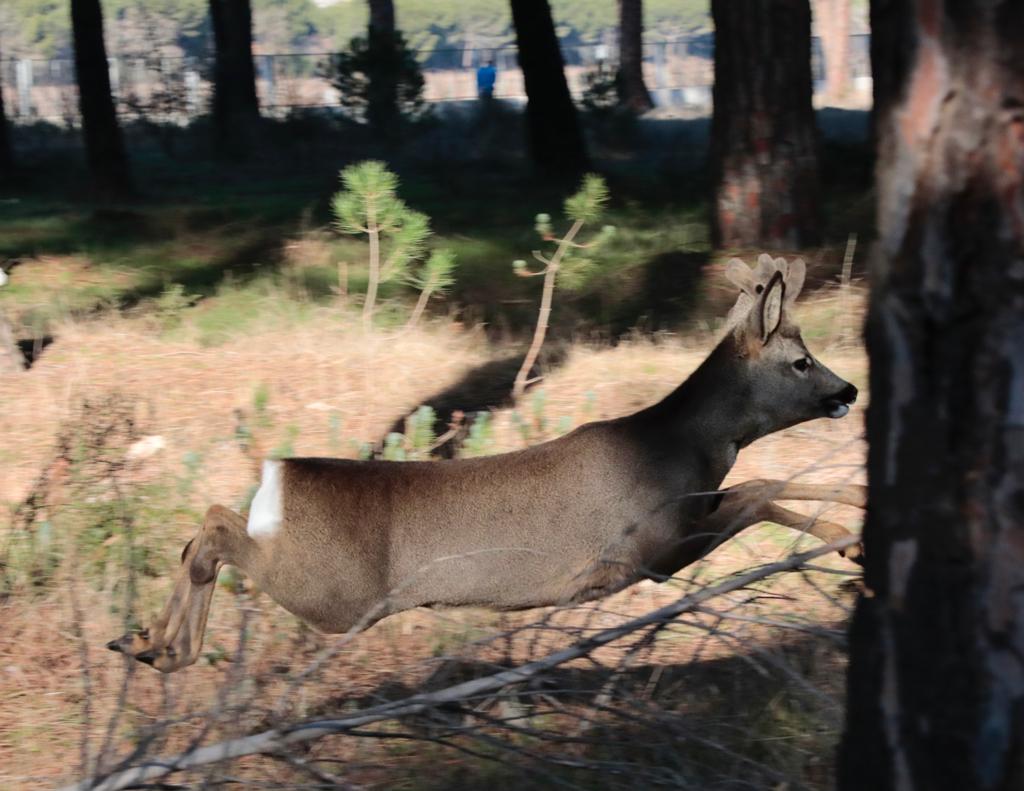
x: 236, y: 109
x: 6, y: 154
x: 11, y: 359
x: 630, y: 79
x: 104, y: 146
x: 382, y: 106
x: 833, y: 22
x: 382, y: 16
x: 936, y: 680
x: 553, y: 127
x: 763, y: 138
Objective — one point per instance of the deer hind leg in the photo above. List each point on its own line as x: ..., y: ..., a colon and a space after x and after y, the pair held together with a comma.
x: 176, y: 636
x: 750, y: 502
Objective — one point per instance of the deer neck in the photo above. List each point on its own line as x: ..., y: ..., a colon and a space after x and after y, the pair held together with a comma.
x: 711, y: 413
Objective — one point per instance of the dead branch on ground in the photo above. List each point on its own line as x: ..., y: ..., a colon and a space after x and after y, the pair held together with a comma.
x: 276, y: 740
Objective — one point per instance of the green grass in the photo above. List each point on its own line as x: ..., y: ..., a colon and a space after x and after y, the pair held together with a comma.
x: 215, y: 228
x: 124, y: 257
x: 235, y: 309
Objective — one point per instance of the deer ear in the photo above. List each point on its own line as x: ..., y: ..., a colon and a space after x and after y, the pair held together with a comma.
x: 795, y: 275
x: 771, y: 306
x: 739, y: 274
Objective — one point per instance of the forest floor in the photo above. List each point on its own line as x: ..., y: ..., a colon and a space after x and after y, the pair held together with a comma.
x: 176, y: 340
x: 320, y: 388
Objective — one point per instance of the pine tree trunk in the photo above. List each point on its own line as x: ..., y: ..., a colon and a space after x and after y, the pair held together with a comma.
x: 11, y: 359
x: 104, y: 146
x: 382, y: 106
x: 633, y: 92
x: 553, y: 127
x: 382, y: 16
x: 764, y: 142
x: 936, y: 679
x: 6, y: 154
x: 236, y: 109
x: 833, y: 22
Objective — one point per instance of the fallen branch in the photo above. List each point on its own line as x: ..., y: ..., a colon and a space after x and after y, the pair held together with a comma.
x: 273, y: 741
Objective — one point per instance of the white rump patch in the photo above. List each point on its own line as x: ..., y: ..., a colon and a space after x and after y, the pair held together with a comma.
x: 146, y: 447
x: 267, y: 506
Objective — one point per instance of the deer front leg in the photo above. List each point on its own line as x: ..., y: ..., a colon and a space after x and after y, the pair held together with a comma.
x: 750, y: 502
x: 819, y: 528
x: 176, y: 636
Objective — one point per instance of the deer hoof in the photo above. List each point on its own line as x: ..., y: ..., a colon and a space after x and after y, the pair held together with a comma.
x: 132, y: 643
x: 854, y: 553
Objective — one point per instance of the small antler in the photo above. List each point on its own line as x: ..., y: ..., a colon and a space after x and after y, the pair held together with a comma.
x: 739, y: 275
x: 751, y: 282
x: 794, y: 276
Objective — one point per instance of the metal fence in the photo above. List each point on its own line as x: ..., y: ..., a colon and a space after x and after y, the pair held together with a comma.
x: 678, y: 72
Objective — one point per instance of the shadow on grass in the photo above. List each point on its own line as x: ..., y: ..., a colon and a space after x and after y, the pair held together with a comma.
x: 32, y: 348
x: 241, y: 264
x: 482, y: 389
x: 663, y: 296
x: 119, y: 257
x: 202, y: 223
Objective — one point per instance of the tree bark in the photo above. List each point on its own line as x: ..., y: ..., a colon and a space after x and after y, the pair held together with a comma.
x: 382, y: 16
x: 763, y: 139
x: 553, y: 128
x: 104, y: 145
x: 833, y: 17
x: 633, y: 92
x: 936, y: 679
x: 382, y: 110
x: 11, y: 359
x: 6, y: 153
x: 236, y: 109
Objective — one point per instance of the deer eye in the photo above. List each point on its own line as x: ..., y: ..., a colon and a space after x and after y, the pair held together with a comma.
x: 802, y: 364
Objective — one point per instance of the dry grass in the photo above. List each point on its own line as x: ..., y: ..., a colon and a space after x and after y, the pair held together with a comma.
x: 327, y: 389
x: 187, y: 393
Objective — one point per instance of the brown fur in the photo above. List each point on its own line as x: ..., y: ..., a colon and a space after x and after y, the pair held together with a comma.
x: 566, y: 521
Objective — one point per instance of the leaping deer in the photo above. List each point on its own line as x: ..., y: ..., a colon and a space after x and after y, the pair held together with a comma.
x: 337, y: 542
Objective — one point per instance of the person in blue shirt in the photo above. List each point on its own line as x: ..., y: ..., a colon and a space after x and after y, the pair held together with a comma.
x: 486, y: 76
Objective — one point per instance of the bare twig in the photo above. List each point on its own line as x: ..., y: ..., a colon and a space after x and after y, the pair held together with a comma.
x: 11, y: 361
x: 371, y: 287
x: 276, y: 740
x: 849, y: 327
x: 543, y: 315
x: 83, y: 657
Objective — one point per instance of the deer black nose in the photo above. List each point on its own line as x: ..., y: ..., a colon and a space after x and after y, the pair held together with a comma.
x: 848, y: 394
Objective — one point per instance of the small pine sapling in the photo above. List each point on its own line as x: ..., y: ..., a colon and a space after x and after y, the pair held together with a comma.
x: 434, y: 277
x: 480, y: 441
x: 334, y: 433
x: 369, y: 205
x: 394, y: 447
x: 585, y: 206
x: 419, y: 432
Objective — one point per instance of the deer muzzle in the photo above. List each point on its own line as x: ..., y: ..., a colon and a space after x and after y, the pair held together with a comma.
x: 838, y: 405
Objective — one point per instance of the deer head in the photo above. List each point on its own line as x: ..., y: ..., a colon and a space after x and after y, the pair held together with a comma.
x: 787, y: 384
